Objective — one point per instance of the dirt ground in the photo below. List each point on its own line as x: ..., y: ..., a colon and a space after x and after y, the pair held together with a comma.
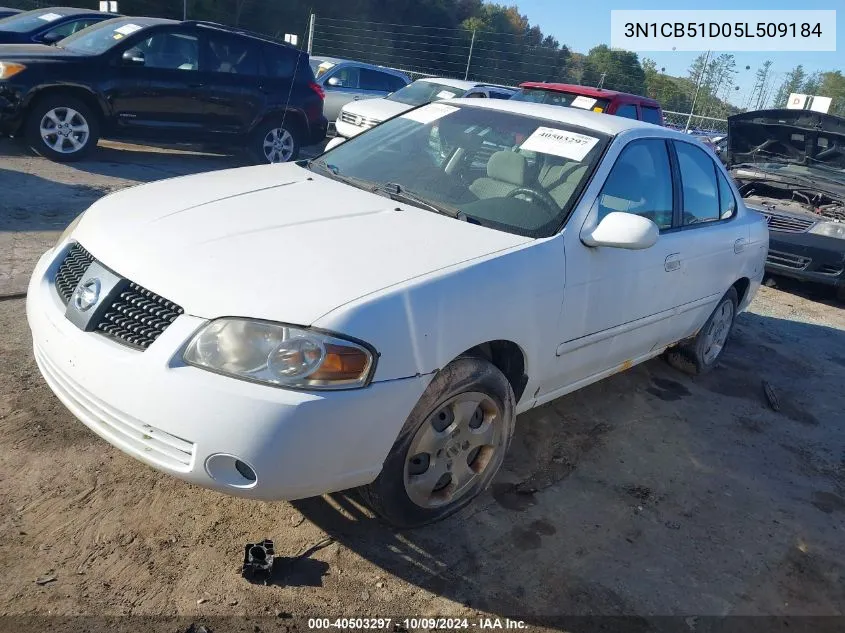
x: 650, y: 493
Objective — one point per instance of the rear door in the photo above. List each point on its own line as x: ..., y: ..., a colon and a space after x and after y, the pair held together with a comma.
x: 713, y: 241
x: 162, y: 98
x: 233, y: 94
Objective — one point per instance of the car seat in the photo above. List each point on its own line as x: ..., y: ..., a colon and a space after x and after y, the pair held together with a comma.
x: 506, y: 172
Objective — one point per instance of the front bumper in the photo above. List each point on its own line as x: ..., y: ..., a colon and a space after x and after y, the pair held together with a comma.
x: 12, y: 99
x: 347, y: 130
x: 807, y: 257
x: 193, y: 424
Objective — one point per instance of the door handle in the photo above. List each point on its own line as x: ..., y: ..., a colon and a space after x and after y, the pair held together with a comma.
x: 672, y: 262
x: 740, y: 245
x: 356, y: 98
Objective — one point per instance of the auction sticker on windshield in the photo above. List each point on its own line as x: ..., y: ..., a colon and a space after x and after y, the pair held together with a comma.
x: 430, y: 112
x: 445, y: 94
x: 128, y: 29
x: 548, y: 140
x: 49, y: 17
x: 583, y: 102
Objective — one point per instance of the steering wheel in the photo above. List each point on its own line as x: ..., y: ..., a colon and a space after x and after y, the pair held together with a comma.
x: 536, y: 195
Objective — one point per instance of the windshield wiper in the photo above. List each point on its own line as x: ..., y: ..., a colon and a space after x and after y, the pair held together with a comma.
x: 396, y: 192
x: 333, y: 172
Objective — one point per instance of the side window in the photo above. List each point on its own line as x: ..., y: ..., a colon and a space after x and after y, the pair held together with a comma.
x: 346, y: 76
x: 232, y: 55
x: 175, y: 51
x: 698, y: 184
x: 475, y: 95
x: 280, y: 62
x: 640, y: 182
x: 727, y: 202
x: 395, y: 83
x: 651, y: 115
x: 374, y: 80
x: 69, y: 28
x: 495, y: 94
x: 628, y: 110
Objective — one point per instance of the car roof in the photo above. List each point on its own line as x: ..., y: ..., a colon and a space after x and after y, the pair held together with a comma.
x: 71, y: 11
x: 588, y: 91
x: 600, y: 122
x: 337, y: 61
x: 454, y: 83
x: 140, y: 21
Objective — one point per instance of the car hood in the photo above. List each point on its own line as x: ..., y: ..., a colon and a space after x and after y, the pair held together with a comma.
x: 37, y: 52
x: 800, y: 137
x: 276, y: 242
x: 377, y: 109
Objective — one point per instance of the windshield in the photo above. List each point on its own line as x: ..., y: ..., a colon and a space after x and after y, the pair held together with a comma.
x: 505, y: 171
x: 29, y: 21
x: 320, y: 66
x: 101, y: 37
x: 423, y: 91
x: 553, y: 97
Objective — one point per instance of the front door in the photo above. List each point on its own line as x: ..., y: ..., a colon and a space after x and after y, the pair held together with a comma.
x: 162, y: 98
x: 618, y: 303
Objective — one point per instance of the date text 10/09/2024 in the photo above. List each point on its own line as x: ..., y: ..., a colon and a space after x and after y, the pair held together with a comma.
x: 722, y: 29
x: 410, y: 624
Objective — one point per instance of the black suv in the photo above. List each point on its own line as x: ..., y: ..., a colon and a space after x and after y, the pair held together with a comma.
x: 152, y: 79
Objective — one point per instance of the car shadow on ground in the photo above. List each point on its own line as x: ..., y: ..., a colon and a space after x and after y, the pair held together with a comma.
x: 811, y: 291
x: 629, y: 529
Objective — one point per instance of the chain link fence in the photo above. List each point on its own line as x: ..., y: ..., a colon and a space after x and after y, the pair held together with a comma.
x: 419, y: 51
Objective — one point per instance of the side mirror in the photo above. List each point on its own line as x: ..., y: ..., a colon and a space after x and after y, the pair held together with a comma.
x: 337, y: 140
x: 334, y: 82
x: 623, y: 230
x: 133, y: 57
x: 51, y: 38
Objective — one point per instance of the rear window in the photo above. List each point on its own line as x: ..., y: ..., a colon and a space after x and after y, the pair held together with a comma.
x: 651, y: 115
x: 554, y: 97
x: 280, y: 62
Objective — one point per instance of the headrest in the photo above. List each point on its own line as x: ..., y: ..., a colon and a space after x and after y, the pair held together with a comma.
x: 507, y: 166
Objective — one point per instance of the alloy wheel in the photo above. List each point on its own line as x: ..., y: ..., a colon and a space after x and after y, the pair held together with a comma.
x: 278, y: 145
x: 64, y: 130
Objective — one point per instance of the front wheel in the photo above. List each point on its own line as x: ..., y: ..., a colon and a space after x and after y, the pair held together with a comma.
x: 275, y: 142
x: 450, y: 447
x: 700, y: 355
x: 62, y: 129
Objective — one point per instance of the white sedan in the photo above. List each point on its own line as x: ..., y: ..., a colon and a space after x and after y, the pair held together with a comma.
x: 377, y: 317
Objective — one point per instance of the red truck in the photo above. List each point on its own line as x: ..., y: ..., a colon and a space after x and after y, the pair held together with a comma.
x: 595, y: 99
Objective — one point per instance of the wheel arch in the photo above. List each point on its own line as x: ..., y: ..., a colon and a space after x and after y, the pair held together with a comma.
x: 741, y: 286
x: 85, y: 95
x: 507, y: 357
x: 287, y: 114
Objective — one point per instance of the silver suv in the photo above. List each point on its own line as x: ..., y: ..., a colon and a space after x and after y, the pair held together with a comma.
x: 344, y: 80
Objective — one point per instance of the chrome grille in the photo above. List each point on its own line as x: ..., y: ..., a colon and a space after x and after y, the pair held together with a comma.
x: 359, y: 121
x: 787, y: 223
x: 71, y: 270
x: 788, y: 259
x: 137, y: 317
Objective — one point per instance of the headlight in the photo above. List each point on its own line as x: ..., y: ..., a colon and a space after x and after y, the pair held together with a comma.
x: 69, y: 230
x: 280, y: 355
x: 830, y: 229
x: 10, y: 69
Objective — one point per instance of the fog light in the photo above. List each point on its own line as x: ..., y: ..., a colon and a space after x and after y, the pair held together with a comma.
x: 230, y: 471
x: 245, y: 470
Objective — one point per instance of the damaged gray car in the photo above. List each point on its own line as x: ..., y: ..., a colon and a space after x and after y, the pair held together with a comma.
x: 789, y: 166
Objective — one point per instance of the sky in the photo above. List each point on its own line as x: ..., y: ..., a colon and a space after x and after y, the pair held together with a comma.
x: 588, y: 25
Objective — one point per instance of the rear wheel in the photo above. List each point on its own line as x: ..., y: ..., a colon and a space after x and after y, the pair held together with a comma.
x: 275, y: 141
x: 62, y: 128
x: 450, y: 448
x: 700, y: 355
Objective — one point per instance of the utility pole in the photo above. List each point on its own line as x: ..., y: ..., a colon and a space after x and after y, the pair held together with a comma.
x: 697, y: 88
x: 469, y: 59
x: 311, y: 32
x: 184, y: 9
